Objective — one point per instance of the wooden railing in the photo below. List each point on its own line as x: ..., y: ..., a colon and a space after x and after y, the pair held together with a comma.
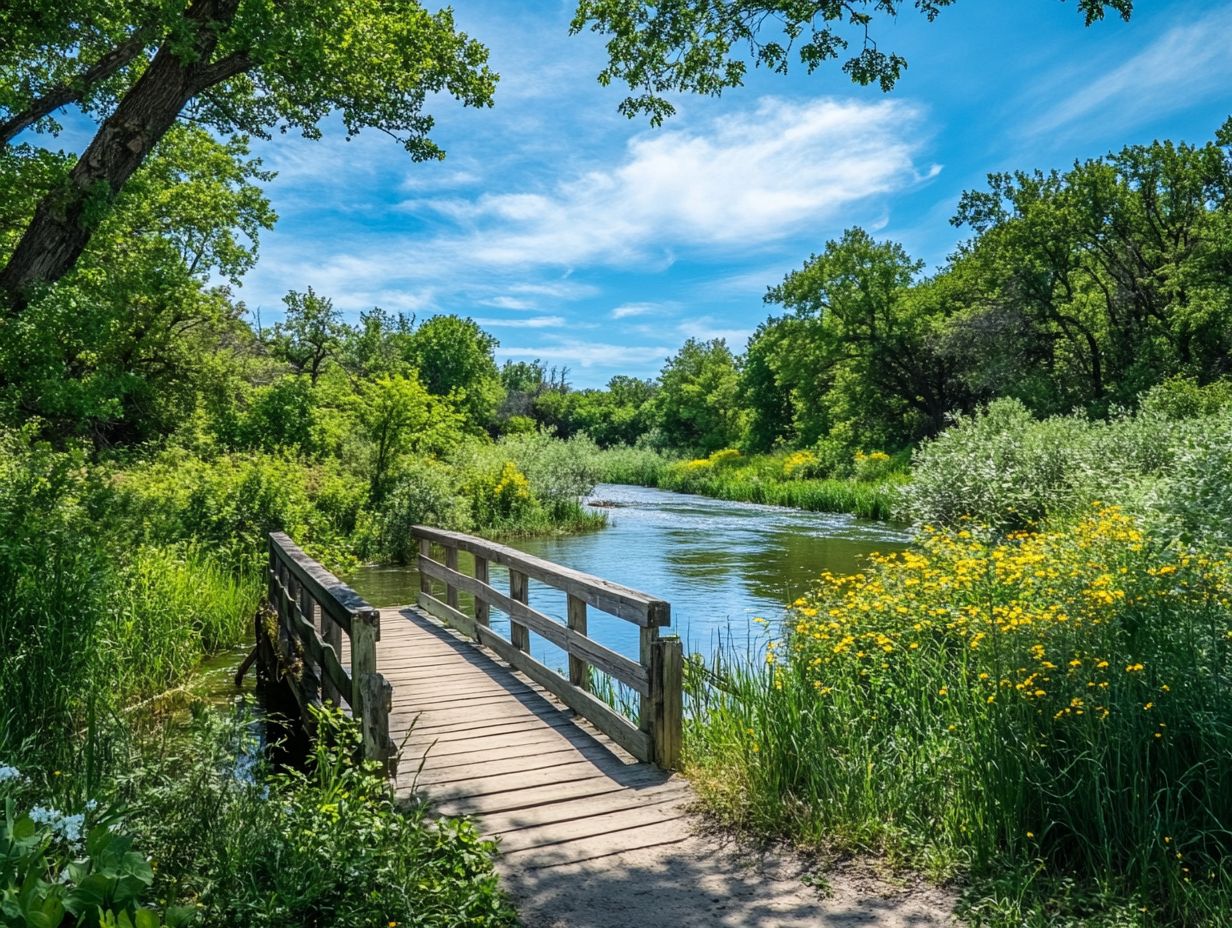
x: 314, y: 610
x: 656, y: 676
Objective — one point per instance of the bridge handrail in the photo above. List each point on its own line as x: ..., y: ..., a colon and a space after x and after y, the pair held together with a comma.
x: 657, y: 676
x: 314, y: 610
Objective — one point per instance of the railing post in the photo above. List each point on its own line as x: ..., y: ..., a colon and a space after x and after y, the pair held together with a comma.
x: 577, y: 622
x: 647, y: 655
x: 482, y: 610
x: 425, y: 582
x: 519, y: 589
x: 669, y: 703
x: 451, y: 592
x: 366, y: 704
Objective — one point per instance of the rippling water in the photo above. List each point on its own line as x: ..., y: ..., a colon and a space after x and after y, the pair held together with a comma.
x: 718, y: 563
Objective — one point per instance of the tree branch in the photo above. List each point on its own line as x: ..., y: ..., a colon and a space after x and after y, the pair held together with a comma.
x: 64, y: 94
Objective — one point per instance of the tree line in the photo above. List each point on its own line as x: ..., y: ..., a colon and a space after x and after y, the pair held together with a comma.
x: 1076, y: 290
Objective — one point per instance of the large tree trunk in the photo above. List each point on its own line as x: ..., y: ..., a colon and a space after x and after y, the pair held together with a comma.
x: 66, y: 218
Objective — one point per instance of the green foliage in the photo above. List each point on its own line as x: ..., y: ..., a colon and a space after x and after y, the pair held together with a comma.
x: 397, y: 416
x: 310, y: 333
x: 73, y: 870
x: 530, y: 482
x: 1004, y: 468
x: 115, y: 352
x: 455, y: 359
x: 675, y: 46
x: 1106, y: 277
x: 696, y: 406
x: 793, y: 480
x: 54, y: 585
x: 866, y: 340
x: 1043, y: 710
x: 328, y: 845
x: 423, y: 493
x: 230, y: 503
x: 240, y: 67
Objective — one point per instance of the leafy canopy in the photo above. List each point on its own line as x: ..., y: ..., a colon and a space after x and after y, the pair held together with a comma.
x: 701, y: 46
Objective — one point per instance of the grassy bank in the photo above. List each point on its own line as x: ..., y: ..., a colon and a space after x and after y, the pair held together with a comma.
x: 116, y: 580
x: 1033, y: 702
x: 867, y: 486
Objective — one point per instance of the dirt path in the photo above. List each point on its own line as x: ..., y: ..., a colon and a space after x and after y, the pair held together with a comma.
x: 703, y: 881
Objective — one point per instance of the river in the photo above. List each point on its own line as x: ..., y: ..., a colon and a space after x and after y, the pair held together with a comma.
x: 720, y: 564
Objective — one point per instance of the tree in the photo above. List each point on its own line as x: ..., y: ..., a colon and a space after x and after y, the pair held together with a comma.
x: 379, y: 344
x: 1109, y: 277
x: 765, y: 391
x: 311, y: 333
x: 878, y: 337
x: 698, y: 46
x: 697, y: 405
x: 455, y: 358
x: 396, y: 415
x: 232, y: 66
x: 122, y: 350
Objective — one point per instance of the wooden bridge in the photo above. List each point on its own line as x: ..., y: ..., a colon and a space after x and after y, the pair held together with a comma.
x: 469, y: 718
x: 591, y: 822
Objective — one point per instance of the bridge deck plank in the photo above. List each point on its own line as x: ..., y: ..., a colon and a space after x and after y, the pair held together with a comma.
x: 483, y: 740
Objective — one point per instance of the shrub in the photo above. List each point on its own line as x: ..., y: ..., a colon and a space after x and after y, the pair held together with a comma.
x: 328, y: 846
x: 71, y: 869
x: 1057, y: 698
x: 1004, y: 468
x: 632, y: 465
x: 1195, y: 501
x: 230, y: 503
x: 801, y: 464
x: 424, y: 493
x: 875, y: 465
x: 727, y: 457
x: 503, y: 499
x: 834, y: 458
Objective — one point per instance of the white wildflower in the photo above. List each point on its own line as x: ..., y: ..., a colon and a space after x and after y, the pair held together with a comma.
x: 41, y: 815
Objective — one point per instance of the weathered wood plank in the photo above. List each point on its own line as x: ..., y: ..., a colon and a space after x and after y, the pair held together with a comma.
x: 335, y: 597
x: 519, y: 592
x: 576, y: 617
x: 605, y: 595
x: 598, y: 713
x: 482, y: 609
x: 669, y: 720
x: 592, y: 827
x: 571, y: 639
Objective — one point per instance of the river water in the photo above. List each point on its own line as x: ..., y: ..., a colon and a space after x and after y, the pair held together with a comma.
x: 720, y: 564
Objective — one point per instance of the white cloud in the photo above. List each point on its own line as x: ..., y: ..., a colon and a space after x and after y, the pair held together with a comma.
x: 1184, y: 64
x: 589, y: 354
x: 733, y: 184
x: 712, y: 192
x: 630, y: 310
x: 534, y: 322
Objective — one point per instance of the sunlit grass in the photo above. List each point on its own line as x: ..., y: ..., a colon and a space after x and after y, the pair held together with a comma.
x: 1053, y: 706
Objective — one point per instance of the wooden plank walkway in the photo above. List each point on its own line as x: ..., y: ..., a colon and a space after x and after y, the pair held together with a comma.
x: 590, y: 837
x: 481, y: 740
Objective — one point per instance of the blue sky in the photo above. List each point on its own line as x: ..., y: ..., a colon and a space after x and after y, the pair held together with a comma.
x: 591, y: 241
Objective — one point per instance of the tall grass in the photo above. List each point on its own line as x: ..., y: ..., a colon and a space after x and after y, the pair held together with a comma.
x: 1046, y: 708
x: 767, y: 479
x: 89, y: 622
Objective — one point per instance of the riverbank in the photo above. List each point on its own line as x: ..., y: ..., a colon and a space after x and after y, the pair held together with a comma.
x: 866, y: 486
x: 118, y: 579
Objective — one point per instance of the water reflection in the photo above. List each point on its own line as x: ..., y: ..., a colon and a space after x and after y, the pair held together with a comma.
x: 718, y: 563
